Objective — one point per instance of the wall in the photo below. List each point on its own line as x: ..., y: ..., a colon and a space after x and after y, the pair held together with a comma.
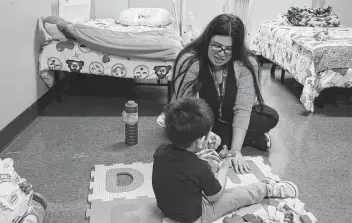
x: 204, y: 11
x: 343, y: 9
x: 108, y: 8
x: 20, y: 85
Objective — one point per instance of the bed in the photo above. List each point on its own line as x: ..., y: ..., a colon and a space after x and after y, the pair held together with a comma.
x: 109, y: 47
x: 317, y: 57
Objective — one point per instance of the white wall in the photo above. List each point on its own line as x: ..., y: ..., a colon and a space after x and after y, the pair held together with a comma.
x: 343, y: 9
x: 204, y: 11
x: 108, y: 8
x: 20, y: 85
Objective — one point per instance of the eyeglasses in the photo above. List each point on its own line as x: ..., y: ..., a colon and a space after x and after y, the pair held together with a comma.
x: 218, y: 49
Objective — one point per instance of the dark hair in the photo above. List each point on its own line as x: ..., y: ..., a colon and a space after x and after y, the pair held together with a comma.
x: 187, y: 120
x: 225, y: 25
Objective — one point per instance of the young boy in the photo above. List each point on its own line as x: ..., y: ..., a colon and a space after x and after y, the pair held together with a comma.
x: 185, y: 187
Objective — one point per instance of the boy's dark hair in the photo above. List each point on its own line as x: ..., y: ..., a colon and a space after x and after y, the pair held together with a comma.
x: 187, y: 120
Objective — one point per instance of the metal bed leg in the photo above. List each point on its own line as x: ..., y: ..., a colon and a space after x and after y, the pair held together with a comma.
x: 282, y: 76
x: 272, y: 71
x: 169, y: 91
x: 57, y: 86
x: 320, y: 100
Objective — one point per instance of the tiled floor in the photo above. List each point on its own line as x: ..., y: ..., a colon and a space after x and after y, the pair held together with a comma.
x: 57, y: 152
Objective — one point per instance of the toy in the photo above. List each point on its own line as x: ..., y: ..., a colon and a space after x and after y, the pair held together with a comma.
x: 279, y: 217
x: 305, y: 219
x: 233, y: 219
x: 299, y: 207
x: 238, y: 218
x: 249, y: 217
x: 322, y: 35
x: 18, y: 202
x: 312, y: 217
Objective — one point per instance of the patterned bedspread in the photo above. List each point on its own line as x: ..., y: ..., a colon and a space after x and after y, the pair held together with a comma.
x: 316, y: 61
x: 110, y: 24
x: 74, y: 57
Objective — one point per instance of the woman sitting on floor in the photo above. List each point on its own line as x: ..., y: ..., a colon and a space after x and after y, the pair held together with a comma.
x: 218, y: 68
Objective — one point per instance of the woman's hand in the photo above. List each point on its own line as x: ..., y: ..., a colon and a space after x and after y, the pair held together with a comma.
x: 214, y: 141
x: 239, y: 163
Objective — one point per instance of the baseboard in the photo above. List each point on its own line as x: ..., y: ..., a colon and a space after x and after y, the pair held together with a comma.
x: 21, y: 122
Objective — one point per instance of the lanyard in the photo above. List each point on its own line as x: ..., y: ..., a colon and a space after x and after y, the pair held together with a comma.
x: 220, y: 94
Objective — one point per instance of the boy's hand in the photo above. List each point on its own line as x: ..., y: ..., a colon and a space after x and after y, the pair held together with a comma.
x: 224, y: 151
x: 226, y: 162
x: 214, y: 141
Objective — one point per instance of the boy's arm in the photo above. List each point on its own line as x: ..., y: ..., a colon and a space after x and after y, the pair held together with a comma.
x: 221, y: 176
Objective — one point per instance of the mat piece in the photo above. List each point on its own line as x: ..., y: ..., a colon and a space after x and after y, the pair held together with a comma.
x: 141, y: 210
x: 112, y: 201
x: 105, y: 187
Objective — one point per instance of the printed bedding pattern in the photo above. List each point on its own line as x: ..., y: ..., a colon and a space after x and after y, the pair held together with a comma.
x: 313, y: 63
x: 74, y: 57
x: 110, y: 24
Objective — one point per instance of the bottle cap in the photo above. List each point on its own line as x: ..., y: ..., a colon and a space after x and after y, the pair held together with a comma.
x: 131, y: 104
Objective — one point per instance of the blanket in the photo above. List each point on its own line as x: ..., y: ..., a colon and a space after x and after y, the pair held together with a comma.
x: 161, y: 45
x: 312, y: 17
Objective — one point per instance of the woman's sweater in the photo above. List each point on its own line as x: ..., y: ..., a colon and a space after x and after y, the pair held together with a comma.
x: 246, y: 95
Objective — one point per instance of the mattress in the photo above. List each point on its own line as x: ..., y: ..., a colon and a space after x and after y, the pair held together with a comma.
x: 315, y: 64
x: 110, y: 24
x: 104, y: 35
x: 72, y: 56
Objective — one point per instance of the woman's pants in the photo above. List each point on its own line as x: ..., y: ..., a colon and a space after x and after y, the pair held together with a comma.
x: 258, y: 125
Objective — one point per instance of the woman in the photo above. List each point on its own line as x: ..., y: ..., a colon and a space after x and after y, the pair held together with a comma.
x: 218, y: 68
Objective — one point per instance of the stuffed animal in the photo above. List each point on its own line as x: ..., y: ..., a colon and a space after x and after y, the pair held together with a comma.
x: 213, y: 158
x: 15, y: 193
x: 322, y: 35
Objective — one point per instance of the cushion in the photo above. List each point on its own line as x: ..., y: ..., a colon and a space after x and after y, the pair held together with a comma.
x: 153, y: 17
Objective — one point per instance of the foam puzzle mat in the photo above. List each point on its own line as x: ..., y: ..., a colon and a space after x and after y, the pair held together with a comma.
x: 111, y: 202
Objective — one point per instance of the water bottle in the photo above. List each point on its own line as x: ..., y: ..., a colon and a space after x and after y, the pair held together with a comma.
x: 131, y: 123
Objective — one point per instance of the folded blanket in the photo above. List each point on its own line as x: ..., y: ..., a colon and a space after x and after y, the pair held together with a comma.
x: 312, y: 17
x: 161, y: 45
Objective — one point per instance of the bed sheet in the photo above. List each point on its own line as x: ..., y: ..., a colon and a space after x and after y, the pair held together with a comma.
x: 72, y: 56
x: 279, y: 44
x: 110, y: 24
x: 143, y: 43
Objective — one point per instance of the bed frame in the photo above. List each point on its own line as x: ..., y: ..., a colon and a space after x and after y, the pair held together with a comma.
x: 80, y: 11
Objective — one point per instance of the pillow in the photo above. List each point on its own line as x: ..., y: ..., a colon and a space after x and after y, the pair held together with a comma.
x: 153, y: 17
